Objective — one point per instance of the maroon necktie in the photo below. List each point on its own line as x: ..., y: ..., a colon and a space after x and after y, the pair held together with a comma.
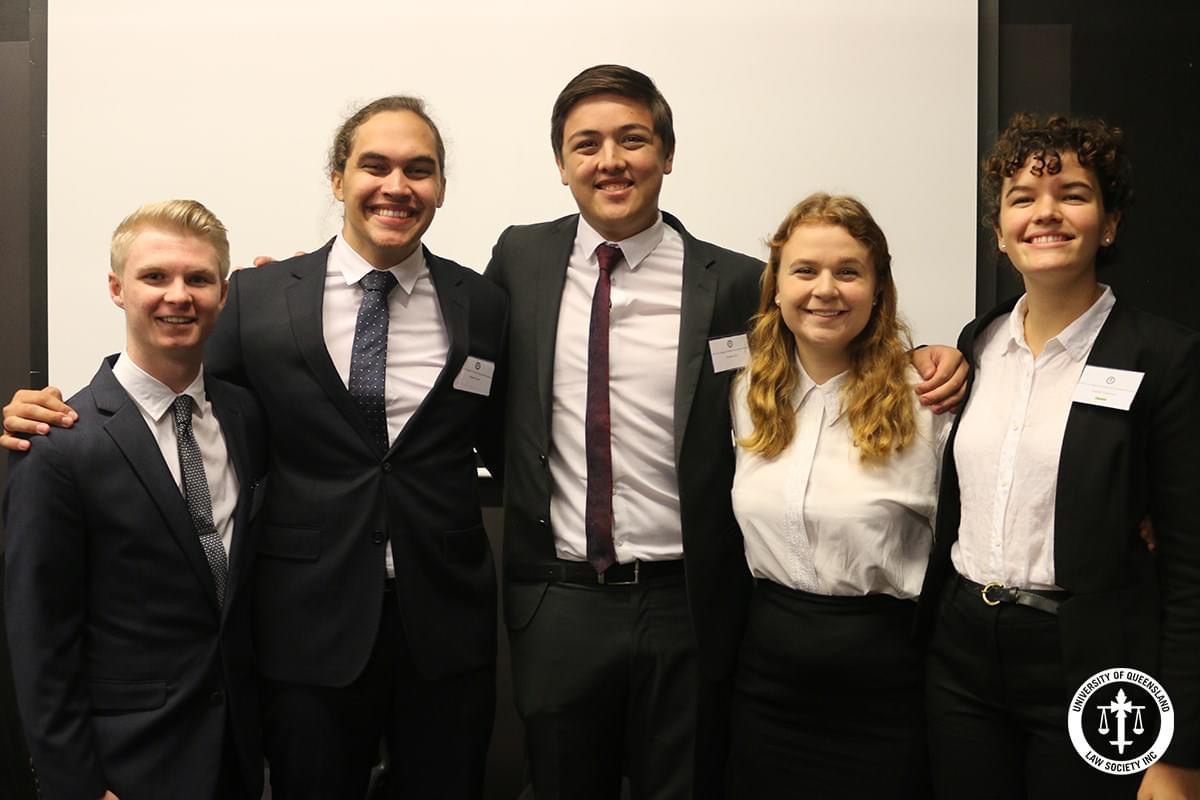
x: 598, y: 517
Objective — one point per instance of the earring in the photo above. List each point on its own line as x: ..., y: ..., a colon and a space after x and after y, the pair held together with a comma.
x: 1003, y: 247
x: 1107, y: 241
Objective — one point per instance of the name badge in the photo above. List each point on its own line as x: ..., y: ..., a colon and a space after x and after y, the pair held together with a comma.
x: 475, y: 376
x: 729, y: 352
x: 1107, y: 387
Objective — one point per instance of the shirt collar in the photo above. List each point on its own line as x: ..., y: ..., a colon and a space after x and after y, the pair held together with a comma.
x: 634, y: 249
x: 829, y: 393
x: 1077, y: 338
x: 344, y: 259
x: 152, y: 395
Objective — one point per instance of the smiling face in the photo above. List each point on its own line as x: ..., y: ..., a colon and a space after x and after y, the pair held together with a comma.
x: 825, y: 290
x: 391, y: 187
x: 171, y: 290
x: 1051, y: 225
x: 614, y: 164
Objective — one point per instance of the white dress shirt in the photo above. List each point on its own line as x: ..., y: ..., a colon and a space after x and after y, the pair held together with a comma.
x: 816, y: 518
x: 1008, y: 446
x: 647, y: 291
x: 154, y: 399
x: 418, y: 343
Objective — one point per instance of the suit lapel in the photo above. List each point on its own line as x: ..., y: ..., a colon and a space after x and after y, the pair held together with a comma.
x: 233, y: 429
x: 128, y: 430
x: 695, y: 322
x: 304, y: 298
x: 455, y: 306
x: 550, y: 272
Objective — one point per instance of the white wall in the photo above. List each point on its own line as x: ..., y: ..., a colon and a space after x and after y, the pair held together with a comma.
x: 234, y: 103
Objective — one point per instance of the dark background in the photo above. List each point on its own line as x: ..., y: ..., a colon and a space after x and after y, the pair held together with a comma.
x: 1133, y: 65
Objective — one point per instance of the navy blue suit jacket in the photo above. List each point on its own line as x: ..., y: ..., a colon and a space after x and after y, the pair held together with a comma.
x: 128, y: 672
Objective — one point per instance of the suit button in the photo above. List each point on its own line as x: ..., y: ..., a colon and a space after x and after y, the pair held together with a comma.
x: 542, y: 460
x: 541, y: 523
x: 217, y: 697
x: 387, y: 466
x: 377, y: 537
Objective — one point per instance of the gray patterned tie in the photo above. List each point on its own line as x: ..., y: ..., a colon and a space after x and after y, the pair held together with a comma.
x: 368, y: 361
x: 195, y: 492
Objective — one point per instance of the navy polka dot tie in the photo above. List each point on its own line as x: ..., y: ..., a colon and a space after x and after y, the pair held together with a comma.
x: 195, y: 492
x: 368, y: 362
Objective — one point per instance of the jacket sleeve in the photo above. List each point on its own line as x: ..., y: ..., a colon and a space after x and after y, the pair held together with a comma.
x: 45, y: 610
x: 1174, y: 485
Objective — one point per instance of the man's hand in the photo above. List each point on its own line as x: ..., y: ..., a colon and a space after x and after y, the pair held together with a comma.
x: 34, y: 411
x: 945, y: 372
x: 109, y: 796
x: 1168, y: 782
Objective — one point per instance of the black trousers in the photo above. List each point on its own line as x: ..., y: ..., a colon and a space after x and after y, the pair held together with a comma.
x: 606, y: 679
x: 322, y: 742
x: 997, y: 707
x: 828, y: 699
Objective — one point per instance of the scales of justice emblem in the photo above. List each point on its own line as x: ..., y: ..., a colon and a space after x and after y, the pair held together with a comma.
x: 1120, y: 707
x: 1121, y: 721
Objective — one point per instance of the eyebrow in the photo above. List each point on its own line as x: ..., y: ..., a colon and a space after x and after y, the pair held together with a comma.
x: 633, y: 126
x: 1074, y: 185
x: 371, y: 155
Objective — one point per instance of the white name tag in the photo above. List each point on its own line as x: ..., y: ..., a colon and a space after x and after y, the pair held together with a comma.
x: 1107, y: 387
x: 729, y: 352
x: 475, y: 376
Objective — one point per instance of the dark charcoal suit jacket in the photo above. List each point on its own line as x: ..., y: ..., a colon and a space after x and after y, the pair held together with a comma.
x: 335, y: 497
x: 128, y: 673
x: 720, y: 293
x: 1128, y: 608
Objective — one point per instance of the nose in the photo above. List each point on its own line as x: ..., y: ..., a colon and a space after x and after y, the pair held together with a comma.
x: 396, y: 183
x: 1045, y: 209
x: 178, y: 292
x: 612, y: 157
x: 825, y: 286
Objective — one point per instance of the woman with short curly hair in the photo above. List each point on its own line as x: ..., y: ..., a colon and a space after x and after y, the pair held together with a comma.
x: 1039, y: 580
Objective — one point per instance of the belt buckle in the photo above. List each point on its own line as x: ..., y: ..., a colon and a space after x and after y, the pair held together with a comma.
x: 636, y: 569
x: 983, y: 593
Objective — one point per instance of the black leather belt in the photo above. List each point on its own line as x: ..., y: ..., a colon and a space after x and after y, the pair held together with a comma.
x: 582, y: 572
x: 996, y: 593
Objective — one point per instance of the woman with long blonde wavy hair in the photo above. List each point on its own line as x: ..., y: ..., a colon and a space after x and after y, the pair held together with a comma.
x: 835, y: 492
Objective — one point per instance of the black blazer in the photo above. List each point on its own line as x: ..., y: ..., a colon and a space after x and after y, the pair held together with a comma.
x: 335, y: 498
x: 720, y: 293
x: 1127, y: 608
x: 128, y: 673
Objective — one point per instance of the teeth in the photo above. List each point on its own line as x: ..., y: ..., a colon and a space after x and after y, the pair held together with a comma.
x: 1048, y: 238
x: 610, y: 187
x: 394, y: 212
x: 176, y: 320
x: 823, y: 313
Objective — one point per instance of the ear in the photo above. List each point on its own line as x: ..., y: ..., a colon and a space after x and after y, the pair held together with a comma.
x: 115, y: 291
x: 1111, y: 221
x: 669, y: 163
x: 777, y: 300
x: 562, y: 170
x: 224, y: 293
x: 335, y: 180
x: 999, y: 239
x: 441, y: 192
